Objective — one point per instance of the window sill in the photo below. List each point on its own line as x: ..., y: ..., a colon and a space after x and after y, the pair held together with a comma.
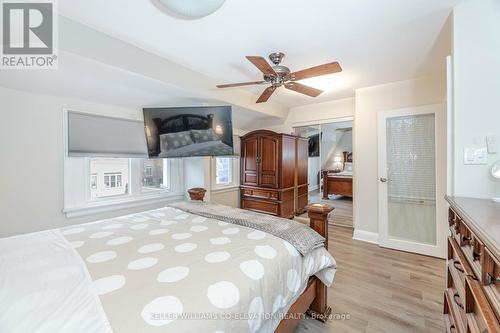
x: 122, y: 203
x: 222, y: 189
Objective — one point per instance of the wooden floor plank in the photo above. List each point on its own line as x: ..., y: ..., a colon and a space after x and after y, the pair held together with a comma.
x: 381, y: 290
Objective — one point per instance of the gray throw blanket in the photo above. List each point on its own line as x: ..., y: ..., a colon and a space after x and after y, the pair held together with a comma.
x: 303, y: 238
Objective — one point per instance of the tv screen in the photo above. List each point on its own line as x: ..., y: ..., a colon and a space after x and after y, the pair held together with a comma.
x: 188, y: 131
x: 314, y: 145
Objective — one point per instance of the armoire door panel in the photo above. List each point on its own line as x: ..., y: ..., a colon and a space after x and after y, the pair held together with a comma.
x: 302, y: 157
x: 268, y: 161
x: 288, y: 161
x: 250, y: 165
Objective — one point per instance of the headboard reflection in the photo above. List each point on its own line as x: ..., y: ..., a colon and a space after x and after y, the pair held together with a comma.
x: 184, y: 122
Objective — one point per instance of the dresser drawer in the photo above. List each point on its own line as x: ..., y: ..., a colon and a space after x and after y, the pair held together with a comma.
x: 456, y: 298
x: 458, y: 265
x: 480, y: 316
x: 261, y: 194
x: 472, y: 247
x: 491, y: 281
x: 452, y: 318
x: 260, y: 206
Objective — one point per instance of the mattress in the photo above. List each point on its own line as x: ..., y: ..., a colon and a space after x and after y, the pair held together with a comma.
x: 215, y: 148
x: 163, y: 270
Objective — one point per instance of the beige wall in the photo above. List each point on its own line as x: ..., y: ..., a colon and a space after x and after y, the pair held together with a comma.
x: 31, y: 149
x: 476, y: 73
x: 314, y: 114
x: 370, y: 101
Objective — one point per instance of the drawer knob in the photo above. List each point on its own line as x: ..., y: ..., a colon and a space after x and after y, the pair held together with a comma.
x: 492, y: 279
x: 457, y: 297
x: 458, y: 266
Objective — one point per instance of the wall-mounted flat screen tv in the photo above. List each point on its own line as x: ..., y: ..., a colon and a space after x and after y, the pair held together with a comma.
x: 189, y: 131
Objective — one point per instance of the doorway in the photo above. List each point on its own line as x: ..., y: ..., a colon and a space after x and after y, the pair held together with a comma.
x: 411, y: 180
x: 330, y: 165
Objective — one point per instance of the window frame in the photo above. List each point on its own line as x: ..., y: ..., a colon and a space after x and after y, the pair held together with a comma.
x: 235, y: 174
x: 77, y: 199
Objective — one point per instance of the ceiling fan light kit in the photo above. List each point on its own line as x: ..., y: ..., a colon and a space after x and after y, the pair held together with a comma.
x: 279, y: 75
x: 192, y: 8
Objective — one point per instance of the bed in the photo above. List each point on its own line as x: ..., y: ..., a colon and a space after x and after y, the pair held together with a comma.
x: 190, y: 135
x: 188, y: 267
x: 339, y: 183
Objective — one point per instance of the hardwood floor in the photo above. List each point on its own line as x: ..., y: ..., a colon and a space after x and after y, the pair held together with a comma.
x: 381, y: 290
x: 341, y: 216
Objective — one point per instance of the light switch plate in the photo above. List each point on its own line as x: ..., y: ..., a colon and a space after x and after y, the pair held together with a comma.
x: 476, y: 155
x: 491, y: 144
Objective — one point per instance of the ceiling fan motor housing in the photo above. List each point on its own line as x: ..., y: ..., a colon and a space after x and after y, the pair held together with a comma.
x: 279, y: 78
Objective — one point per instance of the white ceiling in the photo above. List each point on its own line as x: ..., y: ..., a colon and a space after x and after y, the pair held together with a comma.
x: 83, y: 78
x: 375, y: 41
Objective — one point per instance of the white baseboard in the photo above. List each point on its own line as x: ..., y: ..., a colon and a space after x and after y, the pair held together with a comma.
x: 313, y: 188
x: 365, y: 236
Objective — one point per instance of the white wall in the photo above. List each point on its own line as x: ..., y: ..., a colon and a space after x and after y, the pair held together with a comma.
x: 31, y: 149
x: 313, y: 114
x: 31, y: 172
x: 370, y: 101
x: 476, y: 72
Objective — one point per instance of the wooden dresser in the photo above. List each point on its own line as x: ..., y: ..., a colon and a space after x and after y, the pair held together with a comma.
x: 274, y: 173
x: 472, y: 296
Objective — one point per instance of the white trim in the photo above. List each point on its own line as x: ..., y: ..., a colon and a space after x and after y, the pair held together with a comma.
x: 129, y: 202
x: 322, y: 121
x: 438, y: 249
x: 365, y: 236
x: 226, y: 189
x: 450, y: 123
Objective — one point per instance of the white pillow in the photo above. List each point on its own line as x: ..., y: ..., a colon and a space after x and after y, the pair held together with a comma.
x: 348, y: 166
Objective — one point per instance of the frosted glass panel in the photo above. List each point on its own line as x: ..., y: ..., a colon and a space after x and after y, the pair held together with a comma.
x: 411, y: 174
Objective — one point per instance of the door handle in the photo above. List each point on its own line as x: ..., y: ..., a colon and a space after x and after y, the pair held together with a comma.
x: 383, y: 180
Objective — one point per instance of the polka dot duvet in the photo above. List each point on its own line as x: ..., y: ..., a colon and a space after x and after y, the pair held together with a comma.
x: 163, y: 270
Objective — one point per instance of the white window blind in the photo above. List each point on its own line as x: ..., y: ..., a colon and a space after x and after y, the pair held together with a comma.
x: 93, y: 135
x: 411, y: 157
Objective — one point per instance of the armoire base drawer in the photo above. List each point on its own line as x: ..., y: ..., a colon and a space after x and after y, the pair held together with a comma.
x: 260, y: 206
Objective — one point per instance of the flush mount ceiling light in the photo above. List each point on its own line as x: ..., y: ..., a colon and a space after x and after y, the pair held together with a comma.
x: 192, y: 8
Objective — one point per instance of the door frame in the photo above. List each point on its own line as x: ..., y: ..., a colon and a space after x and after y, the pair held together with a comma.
x: 438, y: 250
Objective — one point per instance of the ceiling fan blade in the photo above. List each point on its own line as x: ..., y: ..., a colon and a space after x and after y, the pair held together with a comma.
x: 266, y: 94
x: 325, y: 69
x: 262, y: 65
x: 239, y: 84
x: 303, y: 89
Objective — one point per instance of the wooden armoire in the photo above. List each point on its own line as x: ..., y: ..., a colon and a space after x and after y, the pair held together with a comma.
x: 274, y: 173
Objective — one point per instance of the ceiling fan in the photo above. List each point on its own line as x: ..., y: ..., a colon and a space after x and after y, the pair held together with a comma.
x: 279, y: 75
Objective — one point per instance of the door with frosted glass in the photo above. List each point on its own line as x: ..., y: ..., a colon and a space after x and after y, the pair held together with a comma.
x: 408, y: 187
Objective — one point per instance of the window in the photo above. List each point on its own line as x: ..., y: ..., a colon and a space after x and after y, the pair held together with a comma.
x: 112, y: 173
x: 155, y: 175
x: 224, y: 172
x: 100, y: 178
x: 113, y: 181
